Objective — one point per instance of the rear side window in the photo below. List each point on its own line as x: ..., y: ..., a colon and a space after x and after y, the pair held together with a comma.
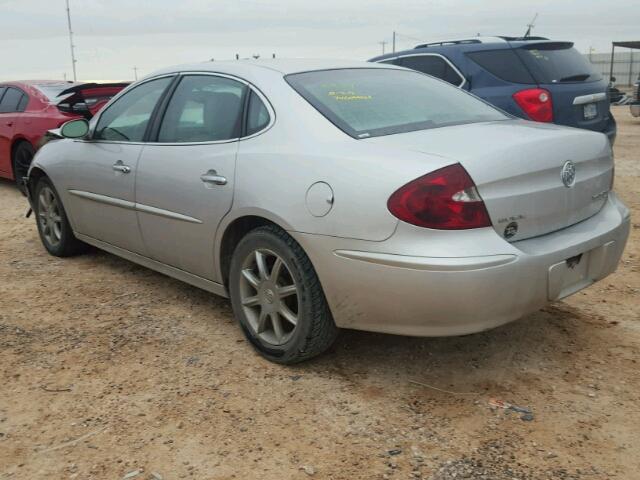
x: 11, y: 100
x: 504, y: 64
x: 22, y: 105
x: 368, y: 102
x: 432, y: 65
x: 557, y: 63
x: 257, y: 114
x: 204, y: 108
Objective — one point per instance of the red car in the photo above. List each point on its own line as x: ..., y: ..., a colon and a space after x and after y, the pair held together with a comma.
x: 28, y: 109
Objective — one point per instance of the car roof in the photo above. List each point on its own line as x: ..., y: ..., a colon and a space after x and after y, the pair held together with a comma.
x: 470, y: 45
x: 279, y: 65
x: 35, y: 83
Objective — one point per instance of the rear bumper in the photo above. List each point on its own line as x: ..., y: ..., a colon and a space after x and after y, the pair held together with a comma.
x: 611, y: 131
x: 461, y: 291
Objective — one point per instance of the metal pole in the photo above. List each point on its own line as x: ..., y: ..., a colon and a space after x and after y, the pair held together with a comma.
x: 394, y: 42
x: 631, y: 68
x: 73, y: 54
x: 613, y: 49
x: 135, y: 73
x: 383, y: 43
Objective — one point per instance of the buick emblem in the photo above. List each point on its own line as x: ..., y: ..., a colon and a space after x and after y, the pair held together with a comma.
x: 568, y: 174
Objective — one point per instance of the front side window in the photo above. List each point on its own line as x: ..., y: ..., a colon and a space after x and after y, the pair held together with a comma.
x: 432, y: 65
x: 11, y: 100
x: 257, y: 114
x: 126, y: 120
x: 368, y: 102
x: 204, y: 108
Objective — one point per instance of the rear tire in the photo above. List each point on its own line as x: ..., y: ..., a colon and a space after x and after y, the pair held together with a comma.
x: 22, y: 157
x: 277, y: 297
x: 53, y: 226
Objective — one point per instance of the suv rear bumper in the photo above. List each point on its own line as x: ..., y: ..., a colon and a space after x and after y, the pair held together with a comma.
x: 611, y: 130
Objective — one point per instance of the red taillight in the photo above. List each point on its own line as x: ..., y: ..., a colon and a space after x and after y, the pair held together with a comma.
x: 446, y: 199
x: 536, y: 103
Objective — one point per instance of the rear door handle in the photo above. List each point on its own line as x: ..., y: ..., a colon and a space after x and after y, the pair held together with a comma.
x: 212, y: 177
x: 9, y: 124
x: 121, y: 167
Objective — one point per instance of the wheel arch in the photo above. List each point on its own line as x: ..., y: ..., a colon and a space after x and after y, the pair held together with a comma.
x: 35, y: 174
x: 233, y: 230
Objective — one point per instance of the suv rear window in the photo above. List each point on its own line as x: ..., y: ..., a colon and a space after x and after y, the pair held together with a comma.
x: 368, y: 102
x: 503, y: 64
x: 557, y: 63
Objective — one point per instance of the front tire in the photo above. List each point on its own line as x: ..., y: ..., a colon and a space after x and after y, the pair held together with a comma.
x: 277, y: 297
x: 53, y: 226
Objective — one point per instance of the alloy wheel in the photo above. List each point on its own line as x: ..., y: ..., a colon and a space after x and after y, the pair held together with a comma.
x: 270, y: 296
x: 49, y: 216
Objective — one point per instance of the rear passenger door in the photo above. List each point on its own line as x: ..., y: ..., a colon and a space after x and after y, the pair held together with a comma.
x: 186, y: 174
x: 12, y: 102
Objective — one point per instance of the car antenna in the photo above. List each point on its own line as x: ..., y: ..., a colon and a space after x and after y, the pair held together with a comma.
x: 531, y: 25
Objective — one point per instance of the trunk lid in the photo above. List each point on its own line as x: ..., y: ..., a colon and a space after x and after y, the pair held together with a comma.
x: 583, y: 105
x: 517, y: 168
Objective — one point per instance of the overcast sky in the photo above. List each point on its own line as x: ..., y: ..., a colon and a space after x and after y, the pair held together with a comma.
x: 113, y: 36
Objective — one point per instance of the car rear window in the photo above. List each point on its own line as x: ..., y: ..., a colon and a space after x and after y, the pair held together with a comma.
x: 368, y: 102
x: 504, y: 64
x: 52, y: 90
x: 557, y: 63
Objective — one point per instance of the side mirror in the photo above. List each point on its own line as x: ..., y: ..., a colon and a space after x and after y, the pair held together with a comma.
x: 75, y: 128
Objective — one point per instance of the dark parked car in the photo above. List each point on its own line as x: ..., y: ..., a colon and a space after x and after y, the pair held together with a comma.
x: 533, y: 78
x: 28, y: 109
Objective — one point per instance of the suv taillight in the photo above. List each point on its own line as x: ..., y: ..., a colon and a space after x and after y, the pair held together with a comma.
x: 536, y: 103
x: 446, y: 199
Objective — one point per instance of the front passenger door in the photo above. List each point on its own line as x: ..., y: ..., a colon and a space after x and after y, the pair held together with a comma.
x: 185, y: 180
x: 100, y: 173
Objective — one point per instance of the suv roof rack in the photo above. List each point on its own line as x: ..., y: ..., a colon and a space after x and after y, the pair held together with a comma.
x: 475, y: 40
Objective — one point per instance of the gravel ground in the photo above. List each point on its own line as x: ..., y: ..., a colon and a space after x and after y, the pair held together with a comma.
x: 111, y: 371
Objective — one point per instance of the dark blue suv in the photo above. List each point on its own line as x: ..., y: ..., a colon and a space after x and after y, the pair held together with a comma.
x: 532, y: 78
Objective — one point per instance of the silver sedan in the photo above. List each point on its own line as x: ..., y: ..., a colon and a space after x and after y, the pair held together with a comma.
x: 326, y: 195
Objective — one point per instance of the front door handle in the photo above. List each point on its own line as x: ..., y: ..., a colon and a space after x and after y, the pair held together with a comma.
x: 212, y: 177
x: 121, y: 167
x: 9, y: 124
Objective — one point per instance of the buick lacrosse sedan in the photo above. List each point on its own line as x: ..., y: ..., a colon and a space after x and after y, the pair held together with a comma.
x: 323, y: 195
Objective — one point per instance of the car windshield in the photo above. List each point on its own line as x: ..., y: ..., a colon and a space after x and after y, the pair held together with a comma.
x: 558, y: 63
x: 368, y: 102
x: 52, y: 90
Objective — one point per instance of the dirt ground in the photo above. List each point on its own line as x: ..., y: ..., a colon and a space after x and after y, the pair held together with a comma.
x: 111, y: 371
